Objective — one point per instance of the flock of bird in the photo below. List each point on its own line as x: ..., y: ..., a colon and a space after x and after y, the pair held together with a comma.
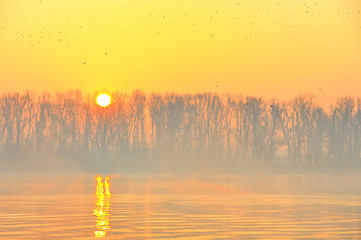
x: 33, y: 35
x: 73, y: 29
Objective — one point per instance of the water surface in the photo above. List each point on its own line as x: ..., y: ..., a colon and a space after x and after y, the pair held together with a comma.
x: 192, y: 207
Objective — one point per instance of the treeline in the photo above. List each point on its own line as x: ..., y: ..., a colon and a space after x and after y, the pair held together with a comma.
x: 169, y: 127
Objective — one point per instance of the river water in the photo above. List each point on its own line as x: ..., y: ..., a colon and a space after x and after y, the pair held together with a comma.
x: 181, y: 207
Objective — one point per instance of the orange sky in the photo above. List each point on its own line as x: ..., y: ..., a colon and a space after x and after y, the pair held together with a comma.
x: 259, y: 47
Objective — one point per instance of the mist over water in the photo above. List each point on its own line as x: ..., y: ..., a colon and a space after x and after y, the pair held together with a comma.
x: 178, y: 167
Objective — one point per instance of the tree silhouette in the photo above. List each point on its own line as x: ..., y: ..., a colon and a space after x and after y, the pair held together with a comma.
x: 163, y: 128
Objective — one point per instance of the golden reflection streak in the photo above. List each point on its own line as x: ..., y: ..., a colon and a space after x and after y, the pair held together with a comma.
x: 102, y: 206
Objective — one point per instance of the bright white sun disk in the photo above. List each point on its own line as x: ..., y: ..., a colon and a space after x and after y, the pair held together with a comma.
x: 103, y: 100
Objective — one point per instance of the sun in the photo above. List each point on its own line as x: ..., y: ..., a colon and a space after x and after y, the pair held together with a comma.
x: 103, y: 100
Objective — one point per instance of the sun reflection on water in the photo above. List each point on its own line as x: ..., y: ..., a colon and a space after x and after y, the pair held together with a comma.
x: 102, y: 206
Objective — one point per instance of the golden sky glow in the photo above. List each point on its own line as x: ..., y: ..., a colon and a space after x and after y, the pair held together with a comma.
x: 269, y: 48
